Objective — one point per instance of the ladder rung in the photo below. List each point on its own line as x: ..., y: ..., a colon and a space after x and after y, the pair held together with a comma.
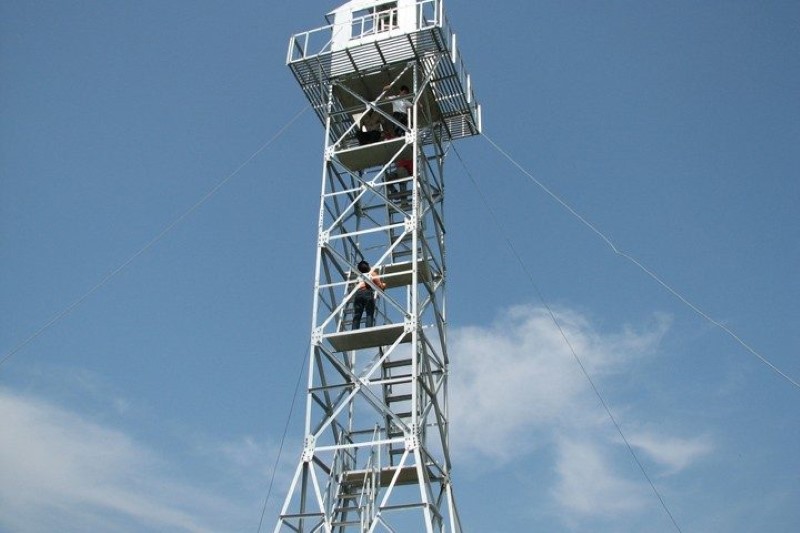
x: 398, y: 398
x: 394, y: 235
x: 338, y: 510
x: 346, y: 524
x: 395, y: 434
x: 399, y: 379
x: 400, y: 194
x: 397, y: 363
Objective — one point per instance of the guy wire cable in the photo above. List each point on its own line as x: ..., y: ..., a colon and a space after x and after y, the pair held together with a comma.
x: 585, y: 372
x: 641, y: 267
x: 283, y: 438
x: 108, y: 277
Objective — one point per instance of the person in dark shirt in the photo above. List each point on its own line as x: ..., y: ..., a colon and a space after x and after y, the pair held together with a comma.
x: 370, y: 128
x: 364, y: 300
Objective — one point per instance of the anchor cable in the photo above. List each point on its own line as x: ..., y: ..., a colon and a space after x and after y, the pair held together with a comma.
x: 108, y: 277
x: 555, y: 320
x: 642, y: 267
x: 283, y: 438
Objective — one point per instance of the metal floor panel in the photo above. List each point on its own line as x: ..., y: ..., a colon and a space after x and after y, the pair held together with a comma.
x: 358, y: 339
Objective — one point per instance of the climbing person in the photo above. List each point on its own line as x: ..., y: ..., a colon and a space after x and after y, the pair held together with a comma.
x: 403, y: 169
x: 400, y: 108
x: 370, y: 128
x: 365, y: 296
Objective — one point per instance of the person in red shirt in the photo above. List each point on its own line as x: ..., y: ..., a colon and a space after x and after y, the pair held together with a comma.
x: 403, y: 169
x: 405, y: 164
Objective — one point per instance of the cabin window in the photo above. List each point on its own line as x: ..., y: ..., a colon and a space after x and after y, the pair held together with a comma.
x: 363, y: 23
x: 386, y: 15
x: 380, y: 18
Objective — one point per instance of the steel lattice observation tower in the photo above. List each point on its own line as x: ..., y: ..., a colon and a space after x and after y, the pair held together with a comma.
x: 390, y: 88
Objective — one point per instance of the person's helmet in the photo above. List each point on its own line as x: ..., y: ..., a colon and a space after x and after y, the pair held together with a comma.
x: 363, y: 267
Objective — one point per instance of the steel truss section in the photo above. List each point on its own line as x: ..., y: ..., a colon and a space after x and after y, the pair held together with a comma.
x: 376, y: 454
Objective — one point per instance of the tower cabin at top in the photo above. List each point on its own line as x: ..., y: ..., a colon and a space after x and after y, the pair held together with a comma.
x: 371, y: 20
x: 371, y: 44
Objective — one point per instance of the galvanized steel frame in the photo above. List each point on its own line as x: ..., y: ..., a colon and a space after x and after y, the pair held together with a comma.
x: 376, y: 455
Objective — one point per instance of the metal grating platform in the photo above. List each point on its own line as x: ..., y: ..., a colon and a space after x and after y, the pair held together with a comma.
x: 401, y: 274
x: 407, y: 476
x: 373, y: 337
x: 449, y: 95
x: 373, y: 155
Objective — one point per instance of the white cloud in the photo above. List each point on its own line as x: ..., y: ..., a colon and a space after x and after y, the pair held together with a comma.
x: 256, y: 459
x: 588, y: 486
x: 516, y: 389
x: 64, y: 472
x: 673, y: 452
x: 247, y: 453
x: 518, y: 375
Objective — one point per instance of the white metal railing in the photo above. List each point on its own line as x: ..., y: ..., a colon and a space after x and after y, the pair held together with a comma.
x: 319, y: 41
x: 458, y: 61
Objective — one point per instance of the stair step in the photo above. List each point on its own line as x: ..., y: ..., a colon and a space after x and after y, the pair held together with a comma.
x: 394, y: 235
x: 400, y: 195
x: 397, y: 379
x: 397, y: 363
x: 394, y: 434
x: 346, y: 523
x: 398, y: 398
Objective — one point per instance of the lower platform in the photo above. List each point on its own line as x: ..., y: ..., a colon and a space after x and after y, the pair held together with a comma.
x: 407, y: 476
x: 373, y: 337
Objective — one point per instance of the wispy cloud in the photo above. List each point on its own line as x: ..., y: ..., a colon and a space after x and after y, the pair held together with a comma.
x: 673, y: 452
x: 589, y: 486
x: 517, y: 389
x: 517, y: 376
x: 62, y: 471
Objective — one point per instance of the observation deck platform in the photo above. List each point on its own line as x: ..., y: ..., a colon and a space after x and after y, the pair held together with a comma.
x: 360, y: 54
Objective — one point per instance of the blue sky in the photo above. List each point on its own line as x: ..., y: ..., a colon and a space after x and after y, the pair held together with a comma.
x: 158, y: 404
